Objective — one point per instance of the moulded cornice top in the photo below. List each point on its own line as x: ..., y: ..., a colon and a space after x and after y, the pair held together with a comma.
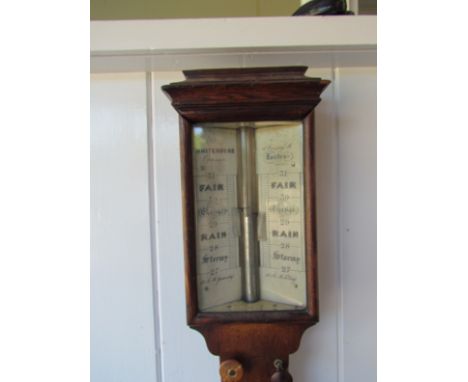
x: 252, y: 94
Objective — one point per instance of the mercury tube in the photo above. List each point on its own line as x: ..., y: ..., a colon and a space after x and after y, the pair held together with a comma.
x: 248, y: 211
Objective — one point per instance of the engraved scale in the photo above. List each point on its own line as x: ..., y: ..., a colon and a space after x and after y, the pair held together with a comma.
x: 249, y: 202
x: 215, y: 177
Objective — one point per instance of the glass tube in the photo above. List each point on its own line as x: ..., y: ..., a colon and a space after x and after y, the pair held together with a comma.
x: 248, y: 210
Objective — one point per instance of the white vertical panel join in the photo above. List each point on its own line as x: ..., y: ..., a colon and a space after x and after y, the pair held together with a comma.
x: 317, y: 357
x: 356, y: 103
x: 122, y: 325
x: 184, y: 354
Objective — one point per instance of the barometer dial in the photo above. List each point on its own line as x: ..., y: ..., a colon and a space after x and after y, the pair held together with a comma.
x: 249, y: 203
x: 281, y: 203
x: 217, y: 236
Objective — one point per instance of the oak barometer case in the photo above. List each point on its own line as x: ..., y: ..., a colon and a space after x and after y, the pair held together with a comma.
x: 248, y: 194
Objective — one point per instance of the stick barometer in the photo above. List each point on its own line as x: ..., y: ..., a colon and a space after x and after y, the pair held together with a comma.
x: 247, y: 157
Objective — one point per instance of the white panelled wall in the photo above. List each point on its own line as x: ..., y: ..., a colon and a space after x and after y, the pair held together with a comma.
x: 138, y: 324
x: 122, y: 319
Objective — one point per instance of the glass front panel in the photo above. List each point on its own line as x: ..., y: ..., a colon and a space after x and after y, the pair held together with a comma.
x: 249, y: 200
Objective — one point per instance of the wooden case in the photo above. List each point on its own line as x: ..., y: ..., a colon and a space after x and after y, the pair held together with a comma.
x: 255, y: 339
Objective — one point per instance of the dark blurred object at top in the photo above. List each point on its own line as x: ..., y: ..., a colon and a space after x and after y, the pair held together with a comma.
x: 323, y: 7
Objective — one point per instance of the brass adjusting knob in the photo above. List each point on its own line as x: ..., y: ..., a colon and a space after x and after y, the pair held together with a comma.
x: 231, y: 371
